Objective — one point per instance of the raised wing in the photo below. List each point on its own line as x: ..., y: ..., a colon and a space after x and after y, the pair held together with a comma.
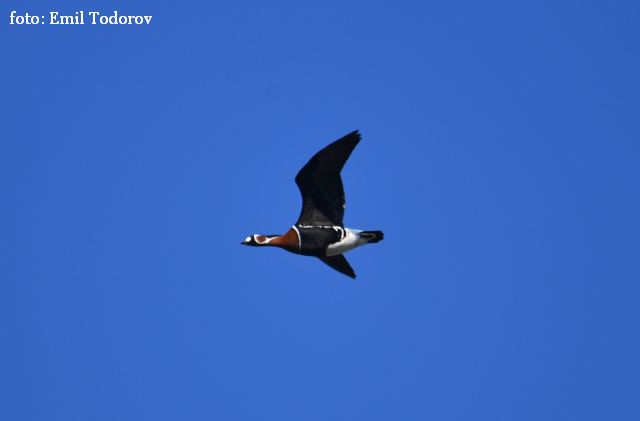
x: 339, y: 263
x: 321, y: 186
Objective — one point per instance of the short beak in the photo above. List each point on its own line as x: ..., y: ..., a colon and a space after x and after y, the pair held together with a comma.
x: 245, y: 242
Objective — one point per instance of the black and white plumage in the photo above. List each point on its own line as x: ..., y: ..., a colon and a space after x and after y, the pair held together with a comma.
x: 319, y: 230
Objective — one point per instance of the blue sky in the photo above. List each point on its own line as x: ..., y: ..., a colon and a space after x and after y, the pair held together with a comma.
x: 500, y: 156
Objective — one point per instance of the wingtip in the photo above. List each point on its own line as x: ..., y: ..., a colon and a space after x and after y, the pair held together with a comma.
x: 354, y: 138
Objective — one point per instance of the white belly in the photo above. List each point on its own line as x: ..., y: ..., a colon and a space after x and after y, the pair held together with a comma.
x: 350, y: 241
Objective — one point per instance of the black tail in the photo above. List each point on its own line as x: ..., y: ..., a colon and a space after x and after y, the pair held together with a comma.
x: 372, y: 236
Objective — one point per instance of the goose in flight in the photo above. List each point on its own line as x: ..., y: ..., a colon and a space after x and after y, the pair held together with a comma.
x: 319, y: 231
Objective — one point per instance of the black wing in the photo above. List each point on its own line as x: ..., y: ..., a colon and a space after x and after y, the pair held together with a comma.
x: 339, y: 263
x: 321, y: 186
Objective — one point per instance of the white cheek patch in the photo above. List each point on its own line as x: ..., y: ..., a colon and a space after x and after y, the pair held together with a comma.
x: 248, y: 239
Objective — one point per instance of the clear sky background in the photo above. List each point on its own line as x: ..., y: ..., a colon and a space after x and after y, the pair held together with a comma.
x: 500, y: 156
